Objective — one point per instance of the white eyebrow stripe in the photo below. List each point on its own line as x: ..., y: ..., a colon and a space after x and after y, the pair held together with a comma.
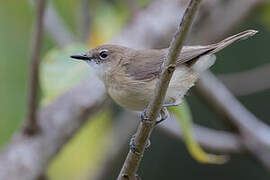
x: 103, y: 50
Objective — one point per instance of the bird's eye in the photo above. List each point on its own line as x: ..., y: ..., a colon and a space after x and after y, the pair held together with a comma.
x: 103, y: 54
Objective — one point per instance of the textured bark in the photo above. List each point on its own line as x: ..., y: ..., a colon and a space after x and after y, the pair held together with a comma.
x: 26, y: 158
x: 151, y: 112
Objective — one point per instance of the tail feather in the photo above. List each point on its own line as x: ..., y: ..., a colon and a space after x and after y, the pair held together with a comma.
x: 226, y: 42
x: 189, y: 54
x: 207, y: 59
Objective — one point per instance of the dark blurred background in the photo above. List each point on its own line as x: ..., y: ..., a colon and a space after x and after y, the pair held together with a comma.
x: 167, y: 158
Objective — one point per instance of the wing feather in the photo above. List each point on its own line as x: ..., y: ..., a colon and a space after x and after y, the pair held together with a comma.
x: 146, y: 64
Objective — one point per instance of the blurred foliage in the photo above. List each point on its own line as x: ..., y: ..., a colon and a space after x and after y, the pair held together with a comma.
x: 184, y: 117
x: 15, y: 25
x: 109, y: 19
x: 58, y: 73
x: 82, y: 155
x: 265, y: 15
x: 68, y: 10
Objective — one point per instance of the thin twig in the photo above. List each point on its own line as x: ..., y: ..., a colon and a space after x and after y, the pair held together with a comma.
x: 66, y: 115
x: 145, y: 128
x: 122, y: 126
x: 31, y: 123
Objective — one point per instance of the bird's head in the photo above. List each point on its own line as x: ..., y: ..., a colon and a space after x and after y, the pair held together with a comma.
x: 104, y: 55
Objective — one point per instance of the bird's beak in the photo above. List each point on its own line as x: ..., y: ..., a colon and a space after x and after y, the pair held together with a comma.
x: 81, y: 57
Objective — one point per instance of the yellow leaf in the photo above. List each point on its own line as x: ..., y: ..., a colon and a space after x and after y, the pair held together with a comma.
x: 83, y: 155
x: 183, y: 114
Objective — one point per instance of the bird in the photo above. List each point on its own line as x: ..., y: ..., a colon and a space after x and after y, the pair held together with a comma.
x: 130, y: 75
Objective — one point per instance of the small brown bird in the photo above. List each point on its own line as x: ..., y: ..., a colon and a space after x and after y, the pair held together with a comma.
x: 130, y: 75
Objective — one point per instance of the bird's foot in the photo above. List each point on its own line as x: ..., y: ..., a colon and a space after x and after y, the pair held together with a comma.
x: 163, y: 115
x: 176, y: 103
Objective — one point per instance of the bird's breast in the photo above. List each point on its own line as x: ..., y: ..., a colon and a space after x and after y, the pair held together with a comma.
x: 136, y: 94
x: 129, y: 93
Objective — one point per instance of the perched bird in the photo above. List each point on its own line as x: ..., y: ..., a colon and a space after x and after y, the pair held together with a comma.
x: 130, y: 75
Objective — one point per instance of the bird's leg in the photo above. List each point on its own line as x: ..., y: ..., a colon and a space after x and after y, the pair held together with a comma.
x: 164, y: 114
x: 133, y: 146
x: 175, y: 103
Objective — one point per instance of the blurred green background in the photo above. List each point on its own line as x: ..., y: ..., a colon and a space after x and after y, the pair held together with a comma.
x: 81, y: 156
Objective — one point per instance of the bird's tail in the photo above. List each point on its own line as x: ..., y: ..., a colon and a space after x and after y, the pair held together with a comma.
x: 226, y: 42
x: 190, y: 54
x: 207, y: 59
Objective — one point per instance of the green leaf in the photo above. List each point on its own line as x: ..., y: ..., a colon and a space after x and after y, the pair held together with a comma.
x: 58, y: 72
x: 184, y: 116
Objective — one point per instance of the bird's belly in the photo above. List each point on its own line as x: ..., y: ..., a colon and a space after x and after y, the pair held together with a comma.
x: 133, y: 96
x: 136, y: 95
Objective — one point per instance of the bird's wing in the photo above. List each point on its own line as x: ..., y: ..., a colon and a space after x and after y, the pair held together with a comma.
x: 145, y: 64
x: 148, y: 62
x: 193, y: 52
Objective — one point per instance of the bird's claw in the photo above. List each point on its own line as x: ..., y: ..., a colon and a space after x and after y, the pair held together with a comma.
x: 163, y: 115
x: 176, y: 103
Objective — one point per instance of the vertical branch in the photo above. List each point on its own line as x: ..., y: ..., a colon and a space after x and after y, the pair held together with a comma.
x: 31, y: 123
x: 146, y: 126
x: 56, y: 28
x: 85, y: 20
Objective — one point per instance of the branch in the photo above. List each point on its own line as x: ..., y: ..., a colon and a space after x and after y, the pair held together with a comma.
x: 145, y: 128
x: 31, y: 126
x: 85, y: 20
x: 121, y: 130
x: 238, y: 10
x: 56, y: 27
x: 247, y: 82
x: 164, y: 13
x: 255, y: 134
x: 26, y: 158
x: 222, y: 19
x: 214, y: 140
x: 160, y: 17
